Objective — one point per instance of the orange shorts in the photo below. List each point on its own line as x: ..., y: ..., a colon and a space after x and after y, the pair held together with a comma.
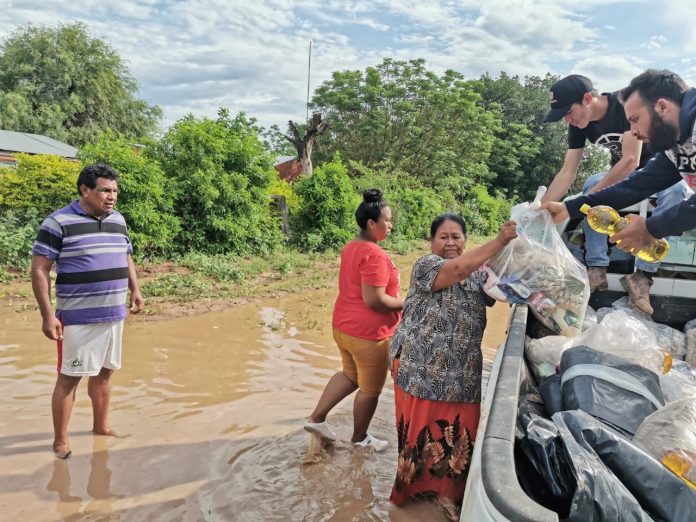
x: 365, y: 361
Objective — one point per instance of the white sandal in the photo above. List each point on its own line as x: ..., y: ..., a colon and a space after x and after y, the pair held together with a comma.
x: 321, y: 429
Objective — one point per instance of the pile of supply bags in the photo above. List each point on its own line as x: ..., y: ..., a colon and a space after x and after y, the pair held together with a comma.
x: 615, y: 438
x: 536, y: 268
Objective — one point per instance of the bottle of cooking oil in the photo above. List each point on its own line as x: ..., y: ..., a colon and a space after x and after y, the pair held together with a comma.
x: 682, y: 463
x: 606, y: 220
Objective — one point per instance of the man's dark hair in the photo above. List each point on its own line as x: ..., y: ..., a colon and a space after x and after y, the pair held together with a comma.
x: 449, y: 216
x: 370, y: 208
x: 88, y: 176
x: 654, y: 84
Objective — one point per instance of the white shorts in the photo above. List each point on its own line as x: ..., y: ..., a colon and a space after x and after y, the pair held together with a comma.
x: 87, y: 348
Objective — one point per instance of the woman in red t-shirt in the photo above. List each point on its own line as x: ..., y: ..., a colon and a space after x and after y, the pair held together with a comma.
x: 367, y: 311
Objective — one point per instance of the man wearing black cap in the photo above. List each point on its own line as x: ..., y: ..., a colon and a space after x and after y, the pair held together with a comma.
x: 600, y: 119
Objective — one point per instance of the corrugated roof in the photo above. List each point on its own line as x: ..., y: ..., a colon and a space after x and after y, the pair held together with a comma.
x: 283, y: 159
x: 11, y: 141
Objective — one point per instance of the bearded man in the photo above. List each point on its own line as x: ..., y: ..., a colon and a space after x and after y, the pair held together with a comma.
x: 661, y: 111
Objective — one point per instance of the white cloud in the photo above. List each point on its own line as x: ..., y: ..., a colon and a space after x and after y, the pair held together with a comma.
x: 194, y: 55
x: 609, y: 73
x: 656, y: 42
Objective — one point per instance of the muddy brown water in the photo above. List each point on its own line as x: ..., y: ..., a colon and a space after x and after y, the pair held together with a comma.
x: 209, y: 409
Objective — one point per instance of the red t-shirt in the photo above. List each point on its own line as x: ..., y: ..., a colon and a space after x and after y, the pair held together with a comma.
x: 365, y: 262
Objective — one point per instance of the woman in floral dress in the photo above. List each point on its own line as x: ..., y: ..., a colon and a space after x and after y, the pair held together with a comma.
x: 436, y: 363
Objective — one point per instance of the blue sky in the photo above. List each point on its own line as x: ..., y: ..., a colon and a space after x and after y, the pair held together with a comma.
x: 193, y: 56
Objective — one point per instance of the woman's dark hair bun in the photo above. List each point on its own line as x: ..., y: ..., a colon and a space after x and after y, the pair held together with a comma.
x: 372, y: 196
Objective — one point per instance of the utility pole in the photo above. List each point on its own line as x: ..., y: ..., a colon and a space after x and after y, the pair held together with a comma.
x: 309, y: 70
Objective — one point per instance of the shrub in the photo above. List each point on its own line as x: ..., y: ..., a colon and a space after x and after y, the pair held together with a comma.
x: 16, y: 238
x: 221, y: 173
x: 280, y: 187
x: 484, y: 213
x: 413, y: 205
x: 43, y: 182
x: 146, y: 197
x: 326, y: 218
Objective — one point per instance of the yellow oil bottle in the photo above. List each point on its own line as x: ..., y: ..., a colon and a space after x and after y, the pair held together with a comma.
x: 683, y: 464
x: 606, y: 220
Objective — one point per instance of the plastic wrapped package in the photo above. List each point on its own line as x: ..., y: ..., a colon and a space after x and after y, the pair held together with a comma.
x: 690, y: 331
x: 668, y: 338
x: 590, y: 319
x: 616, y: 391
x: 538, y: 269
x: 543, y: 355
x: 669, y: 435
x: 679, y: 383
x: 602, y: 312
x: 625, y: 336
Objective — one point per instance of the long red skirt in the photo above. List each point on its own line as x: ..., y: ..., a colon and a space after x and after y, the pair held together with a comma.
x: 436, y: 441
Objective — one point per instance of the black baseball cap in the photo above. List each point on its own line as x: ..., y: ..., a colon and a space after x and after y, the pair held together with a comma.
x: 564, y: 93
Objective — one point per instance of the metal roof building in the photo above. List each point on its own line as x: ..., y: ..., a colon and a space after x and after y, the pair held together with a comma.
x: 15, y: 142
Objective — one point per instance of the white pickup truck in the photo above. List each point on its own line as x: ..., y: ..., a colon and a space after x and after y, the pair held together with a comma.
x: 493, y: 492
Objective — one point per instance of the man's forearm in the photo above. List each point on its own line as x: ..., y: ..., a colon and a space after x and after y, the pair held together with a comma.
x: 41, y: 285
x: 558, y: 188
x: 132, y: 276
x: 617, y: 173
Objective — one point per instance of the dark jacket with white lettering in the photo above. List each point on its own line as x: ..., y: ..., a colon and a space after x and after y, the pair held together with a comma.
x: 662, y: 171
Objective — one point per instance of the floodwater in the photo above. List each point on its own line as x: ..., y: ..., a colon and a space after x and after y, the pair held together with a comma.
x: 209, y: 409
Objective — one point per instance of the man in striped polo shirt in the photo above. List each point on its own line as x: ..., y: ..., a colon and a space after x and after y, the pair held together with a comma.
x: 88, y: 242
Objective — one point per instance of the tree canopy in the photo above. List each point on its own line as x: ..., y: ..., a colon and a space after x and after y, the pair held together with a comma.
x: 68, y: 85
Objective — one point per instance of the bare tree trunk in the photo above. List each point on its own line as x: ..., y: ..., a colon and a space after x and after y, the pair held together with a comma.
x: 304, y: 145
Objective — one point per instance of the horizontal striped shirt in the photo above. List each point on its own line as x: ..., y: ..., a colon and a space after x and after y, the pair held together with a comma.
x: 91, y: 263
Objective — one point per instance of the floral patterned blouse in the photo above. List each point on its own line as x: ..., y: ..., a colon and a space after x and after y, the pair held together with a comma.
x: 439, y: 338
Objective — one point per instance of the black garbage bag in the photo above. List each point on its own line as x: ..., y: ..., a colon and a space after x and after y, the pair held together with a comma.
x: 609, y: 388
x: 544, y: 469
x: 550, y: 391
x: 599, y: 453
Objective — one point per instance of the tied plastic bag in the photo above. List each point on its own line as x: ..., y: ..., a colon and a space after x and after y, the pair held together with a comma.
x: 679, y: 383
x: 669, y: 435
x: 690, y: 331
x: 544, y: 354
x: 625, y: 336
x: 668, y: 339
x: 538, y: 269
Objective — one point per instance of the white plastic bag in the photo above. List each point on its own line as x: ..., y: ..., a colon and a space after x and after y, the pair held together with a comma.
x: 671, y: 340
x: 669, y: 435
x: 625, y: 336
x: 679, y: 383
x: 544, y: 354
x: 538, y: 269
x: 690, y: 331
x: 590, y: 320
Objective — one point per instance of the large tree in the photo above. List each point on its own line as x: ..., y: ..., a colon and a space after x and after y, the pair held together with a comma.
x: 401, y: 115
x: 66, y: 84
x: 528, y: 152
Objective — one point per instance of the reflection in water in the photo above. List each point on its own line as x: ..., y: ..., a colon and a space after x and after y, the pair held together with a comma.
x: 214, y: 406
x: 68, y: 505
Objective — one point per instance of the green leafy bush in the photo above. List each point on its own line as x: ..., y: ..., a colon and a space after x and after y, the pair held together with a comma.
x: 326, y: 218
x: 280, y: 187
x: 43, y: 182
x: 221, y: 173
x: 16, y: 238
x: 484, y: 213
x: 146, y: 195
x: 413, y: 205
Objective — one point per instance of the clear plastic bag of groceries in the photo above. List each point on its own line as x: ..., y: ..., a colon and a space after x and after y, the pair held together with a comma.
x: 669, y: 435
x: 625, y: 336
x: 538, y: 269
